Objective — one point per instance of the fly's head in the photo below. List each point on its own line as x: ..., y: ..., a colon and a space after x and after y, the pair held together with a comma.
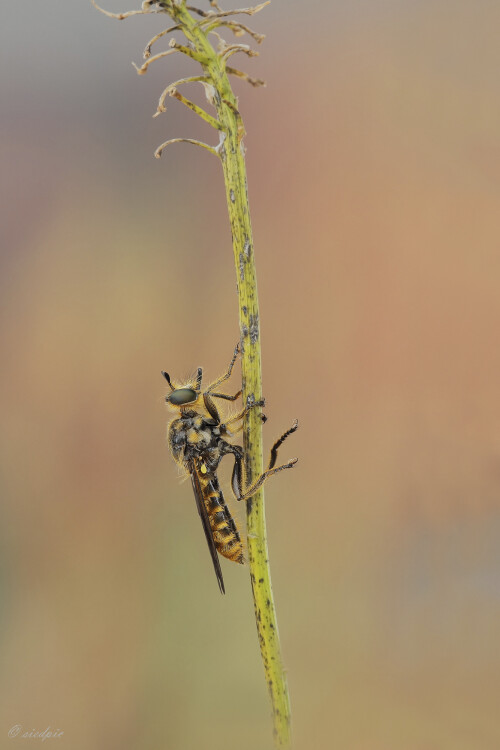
x: 185, y: 396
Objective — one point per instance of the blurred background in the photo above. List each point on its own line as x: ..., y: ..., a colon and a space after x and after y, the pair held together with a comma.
x: 374, y: 178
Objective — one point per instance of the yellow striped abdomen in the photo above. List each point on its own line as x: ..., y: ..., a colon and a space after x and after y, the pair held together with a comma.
x: 225, y: 531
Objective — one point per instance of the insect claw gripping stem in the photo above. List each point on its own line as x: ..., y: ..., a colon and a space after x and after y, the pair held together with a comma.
x: 243, y: 412
x: 196, y: 25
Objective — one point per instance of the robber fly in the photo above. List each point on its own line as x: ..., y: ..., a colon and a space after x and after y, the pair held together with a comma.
x: 198, y: 441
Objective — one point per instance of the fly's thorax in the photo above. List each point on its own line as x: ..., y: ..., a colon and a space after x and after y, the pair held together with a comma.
x: 192, y: 434
x: 176, y: 436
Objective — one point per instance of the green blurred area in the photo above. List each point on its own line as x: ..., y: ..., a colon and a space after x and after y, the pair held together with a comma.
x: 374, y: 168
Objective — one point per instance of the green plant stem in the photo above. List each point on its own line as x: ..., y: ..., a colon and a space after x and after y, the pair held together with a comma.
x: 258, y: 557
x: 231, y: 153
x: 235, y: 177
x: 248, y: 302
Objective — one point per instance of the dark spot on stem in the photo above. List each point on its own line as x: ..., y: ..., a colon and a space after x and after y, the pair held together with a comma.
x: 254, y: 328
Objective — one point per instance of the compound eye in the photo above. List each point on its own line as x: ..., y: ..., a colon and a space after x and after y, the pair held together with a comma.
x: 182, y: 396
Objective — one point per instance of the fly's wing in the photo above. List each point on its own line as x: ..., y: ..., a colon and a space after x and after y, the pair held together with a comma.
x: 200, y: 504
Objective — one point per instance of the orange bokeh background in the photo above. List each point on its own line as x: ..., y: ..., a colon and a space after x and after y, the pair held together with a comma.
x: 374, y: 174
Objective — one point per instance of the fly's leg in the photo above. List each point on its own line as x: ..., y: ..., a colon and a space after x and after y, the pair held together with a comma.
x: 274, y: 449
x: 237, y: 477
x: 207, y: 396
x: 227, y: 374
x: 244, y: 412
x: 225, y: 396
x: 211, y: 408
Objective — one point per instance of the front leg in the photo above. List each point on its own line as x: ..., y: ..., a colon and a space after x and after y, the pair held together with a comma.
x: 207, y: 396
x: 228, y: 372
x: 243, y: 413
x: 226, y: 396
x: 211, y: 408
